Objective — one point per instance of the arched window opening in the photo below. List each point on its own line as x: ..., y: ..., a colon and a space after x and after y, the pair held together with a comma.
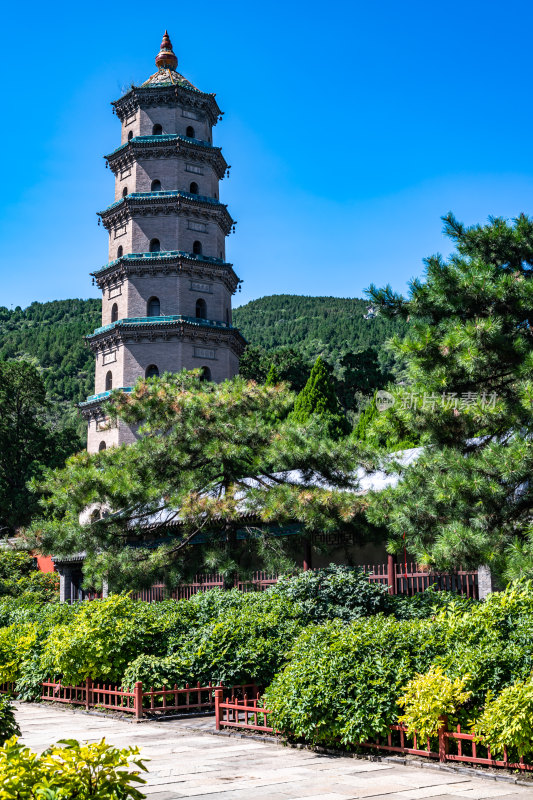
x: 96, y: 515
x: 152, y: 371
x: 201, y: 308
x: 125, y: 191
x: 101, y: 446
x: 156, y: 186
x: 157, y: 130
x: 155, y: 245
x: 120, y: 251
x: 190, y: 132
x: 227, y: 317
x: 197, y: 248
x: 109, y: 381
x: 114, y: 312
x: 206, y: 374
x: 130, y: 136
x: 153, y: 307
x: 193, y: 189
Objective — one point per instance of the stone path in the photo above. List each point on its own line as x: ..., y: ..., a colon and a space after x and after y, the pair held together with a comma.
x: 188, y: 763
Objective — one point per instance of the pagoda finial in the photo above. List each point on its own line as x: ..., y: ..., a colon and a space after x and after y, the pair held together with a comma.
x: 166, y: 58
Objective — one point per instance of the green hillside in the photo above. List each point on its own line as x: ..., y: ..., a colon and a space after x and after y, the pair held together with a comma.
x: 327, y: 326
x: 53, y: 334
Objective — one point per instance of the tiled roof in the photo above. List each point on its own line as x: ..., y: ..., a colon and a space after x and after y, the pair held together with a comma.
x: 167, y: 137
x: 169, y: 77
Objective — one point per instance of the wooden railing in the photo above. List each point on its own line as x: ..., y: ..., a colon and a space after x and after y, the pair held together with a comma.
x: 249, y: 714
x: 138, y: 701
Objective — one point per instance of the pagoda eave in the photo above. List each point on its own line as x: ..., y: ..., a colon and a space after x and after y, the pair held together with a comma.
x: 134, y: 150
x: 173, y: 203
x: 125, y: 267
x: 166, y: 95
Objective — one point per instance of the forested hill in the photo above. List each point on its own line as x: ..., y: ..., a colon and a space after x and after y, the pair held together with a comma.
x: 328, y: 326
x: 53, y: 334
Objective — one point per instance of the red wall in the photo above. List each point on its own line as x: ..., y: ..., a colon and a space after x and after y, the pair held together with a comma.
x: 45, y: 563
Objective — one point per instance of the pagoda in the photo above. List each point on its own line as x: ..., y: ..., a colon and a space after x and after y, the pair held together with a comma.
x: 166, y: 288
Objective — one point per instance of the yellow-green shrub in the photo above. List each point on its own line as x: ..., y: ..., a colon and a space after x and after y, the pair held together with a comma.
x: 16, y: 642
x: 507, y: 720
x: 96, y: 771
x: 427, y: 698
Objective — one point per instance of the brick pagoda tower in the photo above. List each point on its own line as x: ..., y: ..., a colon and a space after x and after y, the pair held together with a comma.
x: 167, y: 288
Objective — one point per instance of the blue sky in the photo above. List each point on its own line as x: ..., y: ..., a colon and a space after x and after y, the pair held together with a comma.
x: 351, y: 128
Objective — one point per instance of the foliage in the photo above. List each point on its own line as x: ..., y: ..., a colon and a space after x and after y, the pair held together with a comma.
x: 52, y: 333
x: 19, y: 576
x: 102, y: 638
x: 318, y: 398
x: 334, y: 592
x: 28, y: 441
x: 341, y: 682
x: 246, y: 644
x: 8, y: 724
x: 92, y: 771
x: 467, y: 394
x: 507, y: 720
x: 209, y: 455
x: 16, y: 643
x: 314, y: 326
x: 429, y: 698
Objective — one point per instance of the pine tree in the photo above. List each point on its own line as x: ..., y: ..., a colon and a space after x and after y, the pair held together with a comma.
x: 273, y: 378
x: 318, y: 398
x: 213, y: 467
x: 468, y: 395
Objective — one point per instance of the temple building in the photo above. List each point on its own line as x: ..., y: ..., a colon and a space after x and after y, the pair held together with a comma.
x: 167, y: 287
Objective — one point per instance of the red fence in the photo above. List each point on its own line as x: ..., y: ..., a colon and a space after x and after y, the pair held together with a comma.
x: 453, y: 745
x: 138, y: 701
x: 406, y: 579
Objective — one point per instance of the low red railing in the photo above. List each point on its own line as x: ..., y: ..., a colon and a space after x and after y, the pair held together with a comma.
x: 139, y: 702
x: 237, y: 713
x: 248, y: 714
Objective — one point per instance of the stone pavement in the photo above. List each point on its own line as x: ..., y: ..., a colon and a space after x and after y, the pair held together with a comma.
x: 188, y: 763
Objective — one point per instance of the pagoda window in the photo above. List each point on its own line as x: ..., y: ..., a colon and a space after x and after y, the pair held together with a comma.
x: 156, y: 186
x: 152, y: 371
x: 193, y: 189
x: 190, y: 132
x: 114, y: 312
x: 130, y: 136
x: 205, y: 374
x: 155, y: 245
x: 157, y: 130
x: 101, y: 446
x: 120, y: 252
x: 125, y: 191
x: 227, y: 316
x: 109, y: 381
x: 153, y: 308
x: 201, y: 308
x: 197, y: 248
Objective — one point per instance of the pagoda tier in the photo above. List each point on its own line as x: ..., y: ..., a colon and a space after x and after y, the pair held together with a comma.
x: 164, y: 203
x: 166, y: 146
x: 173, y: 262
x: 167, y: 89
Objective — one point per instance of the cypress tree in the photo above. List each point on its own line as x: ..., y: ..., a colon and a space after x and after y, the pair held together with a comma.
x: 318, y: 398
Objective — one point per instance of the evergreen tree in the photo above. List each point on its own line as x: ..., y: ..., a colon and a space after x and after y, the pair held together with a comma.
x: 273, y: 377
x: 318, y: 398
x: 213, y: 467
x: 29, y: 440
x: 468, y: 395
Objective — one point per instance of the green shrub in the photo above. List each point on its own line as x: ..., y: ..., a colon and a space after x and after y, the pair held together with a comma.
x: 507, y: 721
x: 8, y: 724
x: 430, y: 697
x: 342, y: 681
x: 103, y: 637
x: 19, y: 576
x: 96, y: 771
x: 16, y: 643
x: 429, y: 603
x: 334, y: 592
x: 246, y: 643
